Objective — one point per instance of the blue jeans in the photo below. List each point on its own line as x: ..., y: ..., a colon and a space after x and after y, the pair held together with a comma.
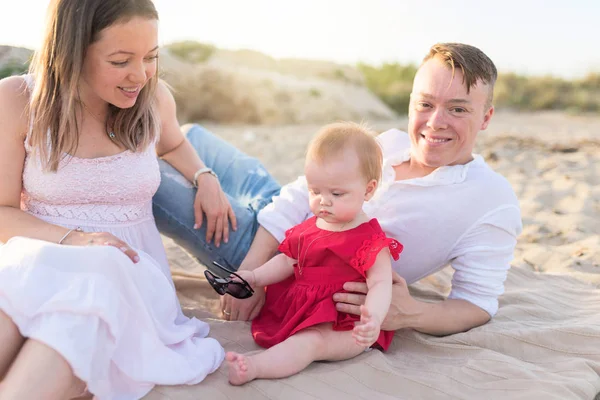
x: 247, y: 184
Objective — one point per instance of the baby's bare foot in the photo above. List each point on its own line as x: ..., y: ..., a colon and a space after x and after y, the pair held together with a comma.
x: 241, y: 368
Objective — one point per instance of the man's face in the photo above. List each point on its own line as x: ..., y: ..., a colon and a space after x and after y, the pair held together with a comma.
x: 443, y: 120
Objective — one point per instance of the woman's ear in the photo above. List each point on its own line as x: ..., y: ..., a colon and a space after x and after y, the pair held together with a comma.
x: 370, y: 191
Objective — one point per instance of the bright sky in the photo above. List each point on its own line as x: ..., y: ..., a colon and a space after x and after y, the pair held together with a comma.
x: 527, y: 36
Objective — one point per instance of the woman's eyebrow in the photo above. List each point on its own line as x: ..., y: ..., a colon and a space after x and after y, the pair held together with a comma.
x: 129, y: 52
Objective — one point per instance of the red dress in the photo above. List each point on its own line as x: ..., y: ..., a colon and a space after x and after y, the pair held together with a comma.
x: 325, y: 261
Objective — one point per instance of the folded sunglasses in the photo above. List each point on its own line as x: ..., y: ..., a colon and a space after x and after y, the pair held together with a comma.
x: 239, y: 290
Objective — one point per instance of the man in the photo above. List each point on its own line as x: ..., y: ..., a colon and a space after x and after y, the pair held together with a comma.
x: 445, y: 205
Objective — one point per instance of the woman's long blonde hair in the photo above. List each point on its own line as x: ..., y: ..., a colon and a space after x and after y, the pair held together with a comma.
x: 72, y: 26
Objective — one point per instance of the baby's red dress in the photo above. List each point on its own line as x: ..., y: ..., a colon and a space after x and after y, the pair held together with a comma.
x: 325, y: 261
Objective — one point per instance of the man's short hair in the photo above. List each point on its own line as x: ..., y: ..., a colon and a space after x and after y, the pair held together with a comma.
x: 474, y: 64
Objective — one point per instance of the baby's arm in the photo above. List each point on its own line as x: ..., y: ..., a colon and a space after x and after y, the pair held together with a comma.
x: 377, y: 303
x: 275, y: 270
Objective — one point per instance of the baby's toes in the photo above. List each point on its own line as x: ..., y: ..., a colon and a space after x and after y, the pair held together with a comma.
x: 242, y: 365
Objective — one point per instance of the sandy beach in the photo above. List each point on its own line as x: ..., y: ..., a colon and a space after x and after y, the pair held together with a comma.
x: 551, y: 159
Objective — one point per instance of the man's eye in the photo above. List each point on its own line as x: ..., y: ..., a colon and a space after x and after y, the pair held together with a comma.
x: 423, y: 105
x: 458, y: 110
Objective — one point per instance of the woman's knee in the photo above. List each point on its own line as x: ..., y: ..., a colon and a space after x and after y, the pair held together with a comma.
x: 8, y: 328
x: 11, y: 342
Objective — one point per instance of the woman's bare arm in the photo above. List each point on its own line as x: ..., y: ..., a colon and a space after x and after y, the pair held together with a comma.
x: 14, y: 98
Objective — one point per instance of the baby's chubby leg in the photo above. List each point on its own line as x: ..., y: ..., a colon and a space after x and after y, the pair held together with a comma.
x: 294, y: 354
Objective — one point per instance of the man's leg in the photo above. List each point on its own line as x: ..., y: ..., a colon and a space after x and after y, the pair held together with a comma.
x: 245, y: 181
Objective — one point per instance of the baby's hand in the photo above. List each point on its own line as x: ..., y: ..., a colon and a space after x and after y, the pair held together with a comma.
x: 248, y: 276
x: 367, y: 330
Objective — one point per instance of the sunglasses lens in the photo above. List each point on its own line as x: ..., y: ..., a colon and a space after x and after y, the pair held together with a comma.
x: 238, y: 290
x: 216, y: 282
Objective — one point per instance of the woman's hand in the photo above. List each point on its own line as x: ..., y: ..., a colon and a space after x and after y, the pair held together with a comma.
x: 403, y: 308
x: 243, y: 309
x: 212, y: 201
x: 100, y: 239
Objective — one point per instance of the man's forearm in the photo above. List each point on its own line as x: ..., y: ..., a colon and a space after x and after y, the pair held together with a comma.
x: 445, y: 317
x: 263, y: 248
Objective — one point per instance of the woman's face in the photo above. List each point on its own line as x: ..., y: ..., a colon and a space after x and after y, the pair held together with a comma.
x: 120, y: 63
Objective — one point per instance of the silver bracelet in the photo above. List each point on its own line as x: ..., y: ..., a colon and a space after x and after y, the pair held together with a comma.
x: 78, y: 229
x: 203, y: 171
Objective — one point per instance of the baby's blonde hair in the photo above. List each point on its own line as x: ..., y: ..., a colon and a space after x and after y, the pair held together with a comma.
x: 333, y: 139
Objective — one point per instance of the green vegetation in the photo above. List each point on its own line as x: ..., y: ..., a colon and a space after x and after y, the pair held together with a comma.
x: 13, y: 69
x: 314, y: 92
x: 548, y: 93
x: 191, y: 51
x: 393, y: 82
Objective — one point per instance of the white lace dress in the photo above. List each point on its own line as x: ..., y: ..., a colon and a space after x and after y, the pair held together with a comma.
x: 118, y: 324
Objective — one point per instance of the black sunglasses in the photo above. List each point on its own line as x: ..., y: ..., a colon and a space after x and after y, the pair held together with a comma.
x: 239, y: 290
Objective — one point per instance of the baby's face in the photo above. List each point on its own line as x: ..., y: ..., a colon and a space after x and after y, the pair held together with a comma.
x: 336, y: 187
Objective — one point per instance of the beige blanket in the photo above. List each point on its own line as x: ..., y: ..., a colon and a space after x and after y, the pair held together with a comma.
x: 544, y: 343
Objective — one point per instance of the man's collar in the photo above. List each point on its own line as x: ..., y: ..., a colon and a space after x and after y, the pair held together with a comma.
x: 448, y: 175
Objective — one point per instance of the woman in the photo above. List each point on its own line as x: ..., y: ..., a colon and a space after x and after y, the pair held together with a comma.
x: 86, y: 297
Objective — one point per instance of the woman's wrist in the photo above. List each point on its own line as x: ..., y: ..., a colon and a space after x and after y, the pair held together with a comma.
x: 203, y: 173
x: 69, y: 233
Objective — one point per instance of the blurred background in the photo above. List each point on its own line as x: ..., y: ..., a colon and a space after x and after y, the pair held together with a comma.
x: 282, y: 62
x: 265, y: 74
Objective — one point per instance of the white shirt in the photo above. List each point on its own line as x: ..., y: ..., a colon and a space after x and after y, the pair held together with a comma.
x: 464, y: 215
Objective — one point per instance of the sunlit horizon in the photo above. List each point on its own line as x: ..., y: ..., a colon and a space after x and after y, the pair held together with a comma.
x: 527, y: 37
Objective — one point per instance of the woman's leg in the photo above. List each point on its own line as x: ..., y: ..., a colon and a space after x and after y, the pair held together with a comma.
x: 246, y: 182
x: 293, y: 354
x: 10, y: 343
x: 39, y: 372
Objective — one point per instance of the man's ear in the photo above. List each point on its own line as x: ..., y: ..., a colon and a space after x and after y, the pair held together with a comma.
x: 371, y: 187
x: 487, y: 118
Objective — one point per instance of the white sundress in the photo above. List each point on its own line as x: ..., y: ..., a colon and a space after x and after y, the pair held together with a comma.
x: 118, y: 324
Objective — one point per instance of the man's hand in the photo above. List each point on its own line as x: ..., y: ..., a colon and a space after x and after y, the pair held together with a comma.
x: 403, y: 308
x: 243, y: 310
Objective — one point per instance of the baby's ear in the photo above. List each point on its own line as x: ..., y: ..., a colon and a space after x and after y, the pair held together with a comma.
x: 370, y: 191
